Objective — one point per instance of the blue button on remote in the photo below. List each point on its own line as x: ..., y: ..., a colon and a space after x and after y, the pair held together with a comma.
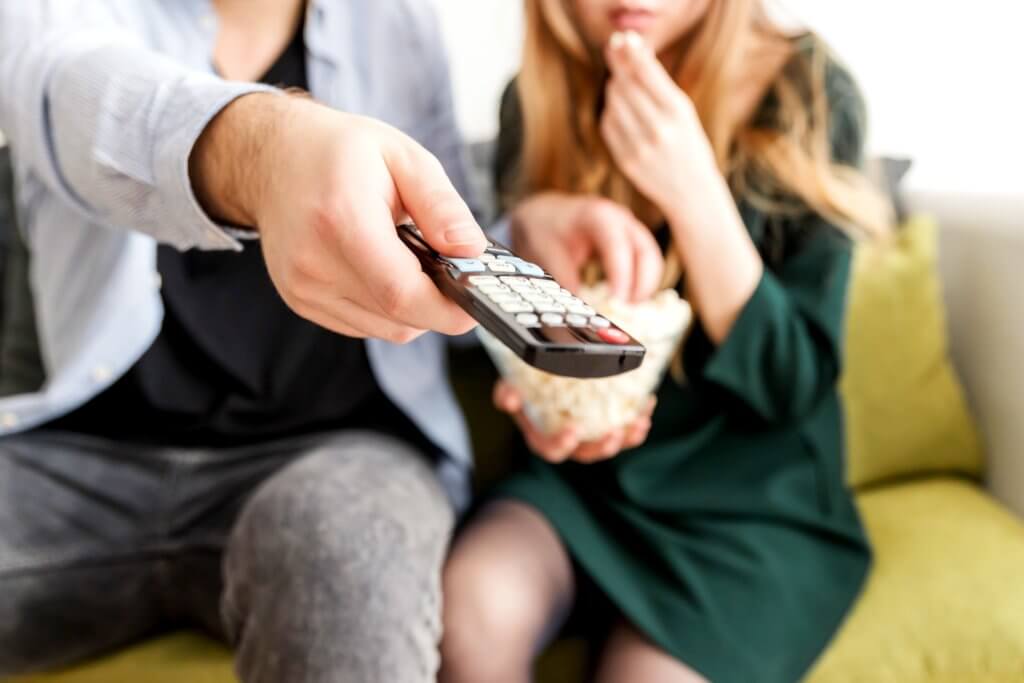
x: 468, y: 265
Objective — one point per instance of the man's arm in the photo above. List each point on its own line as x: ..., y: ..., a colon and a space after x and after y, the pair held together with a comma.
x: 106, y: 123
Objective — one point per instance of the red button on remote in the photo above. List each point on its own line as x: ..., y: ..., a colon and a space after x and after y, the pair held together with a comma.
x: 612, y: 335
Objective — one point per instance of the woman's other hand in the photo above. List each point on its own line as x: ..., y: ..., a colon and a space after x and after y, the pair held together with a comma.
x: 563, y: 233
x: 566, y: 445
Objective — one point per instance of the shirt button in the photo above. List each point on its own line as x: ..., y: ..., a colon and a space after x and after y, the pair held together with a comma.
x: 9, y: 420
x: 101, y: 374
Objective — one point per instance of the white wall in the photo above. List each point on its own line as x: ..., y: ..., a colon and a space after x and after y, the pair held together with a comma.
x: 940, y: 77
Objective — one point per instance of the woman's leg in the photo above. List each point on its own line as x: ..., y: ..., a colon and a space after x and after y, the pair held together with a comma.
x: 508, y: 586
x: 629, y: 656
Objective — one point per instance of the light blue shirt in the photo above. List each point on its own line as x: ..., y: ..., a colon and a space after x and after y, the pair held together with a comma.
x: 102, y: 102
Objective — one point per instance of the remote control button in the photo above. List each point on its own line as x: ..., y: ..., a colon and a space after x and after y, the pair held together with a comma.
x: 515, y: 279
x: 486, y: 257
x: 581, y: 309
x: 550, y: 308
x: 547, y: 285
x: 599, y: 322
x: 468, y: 265
x: 537, y: 297
x: 516, y: 307
x: 504, y: 298
x: 493, y: 289
x: 527, y: 268
x: 552, y: 319
x: 566, y: 292
x: 613, y: 335
x: 501, y: 267
x: 568, y: 300
x: 484, y: 280
x: 528, y: 319
x: 576, y: 320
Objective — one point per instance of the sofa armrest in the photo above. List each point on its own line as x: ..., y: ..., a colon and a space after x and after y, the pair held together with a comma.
x: 981, y: 261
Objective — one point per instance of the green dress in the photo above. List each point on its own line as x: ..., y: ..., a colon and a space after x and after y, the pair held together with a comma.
x: 729, y: 538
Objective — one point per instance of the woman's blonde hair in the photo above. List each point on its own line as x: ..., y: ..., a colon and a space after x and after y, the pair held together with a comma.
x: 560, y: 88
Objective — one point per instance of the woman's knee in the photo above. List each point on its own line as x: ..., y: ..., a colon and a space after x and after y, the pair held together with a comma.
x: 501, y: 585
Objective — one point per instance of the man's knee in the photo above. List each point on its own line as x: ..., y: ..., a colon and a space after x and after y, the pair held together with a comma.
x: 371, y: 498
x: 346, y: 543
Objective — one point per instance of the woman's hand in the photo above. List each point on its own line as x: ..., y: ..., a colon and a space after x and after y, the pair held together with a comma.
x: 563, y: 233
x: 656, y: 137
x: 652, y: 128
x: 566, y: 445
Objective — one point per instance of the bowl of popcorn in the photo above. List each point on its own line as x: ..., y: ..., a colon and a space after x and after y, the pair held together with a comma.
x: 596, y: 406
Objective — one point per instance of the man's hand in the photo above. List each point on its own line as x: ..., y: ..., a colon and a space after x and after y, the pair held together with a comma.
x: 325, y: 190
x: 564, y: 232
x: 566, y: 445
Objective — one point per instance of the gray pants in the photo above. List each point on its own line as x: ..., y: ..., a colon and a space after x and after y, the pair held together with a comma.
x: 317, y: 559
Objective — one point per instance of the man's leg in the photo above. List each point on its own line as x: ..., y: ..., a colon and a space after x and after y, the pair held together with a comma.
x: 77, y: 567
x: 333, y: 570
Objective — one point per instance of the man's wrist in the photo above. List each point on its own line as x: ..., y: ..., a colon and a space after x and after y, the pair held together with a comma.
x: 228, y: 165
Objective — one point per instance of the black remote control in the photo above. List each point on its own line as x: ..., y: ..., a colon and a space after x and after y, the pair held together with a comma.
x: 522, y: 306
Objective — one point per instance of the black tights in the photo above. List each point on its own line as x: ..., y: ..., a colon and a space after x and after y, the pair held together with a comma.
x: 508, y: 588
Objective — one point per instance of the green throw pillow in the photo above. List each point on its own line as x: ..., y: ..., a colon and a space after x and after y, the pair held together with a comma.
x: 905, y: 410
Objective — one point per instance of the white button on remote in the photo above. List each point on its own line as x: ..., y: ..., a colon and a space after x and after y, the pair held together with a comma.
x: 576, y: 320
x: 516, y: 307
x: 501, y: 267
x: 550, y: 308
x: 599, y: 322
x: 547, y: 284
x: 483, y: 280
x: 527, y: 319
x: 513, y: 279
x: 495, y: 289
x: 551, y: 319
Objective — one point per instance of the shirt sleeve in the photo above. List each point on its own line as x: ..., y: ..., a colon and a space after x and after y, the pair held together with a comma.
x: 107, y: 124
x: 444, y: 138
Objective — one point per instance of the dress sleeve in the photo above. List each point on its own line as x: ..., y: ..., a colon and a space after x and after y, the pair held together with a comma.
x: 783, y: 354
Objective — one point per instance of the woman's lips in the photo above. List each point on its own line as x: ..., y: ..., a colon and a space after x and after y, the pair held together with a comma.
x: 632, y: 19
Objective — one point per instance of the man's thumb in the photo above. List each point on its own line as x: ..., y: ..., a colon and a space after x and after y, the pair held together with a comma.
x: 432, y: 202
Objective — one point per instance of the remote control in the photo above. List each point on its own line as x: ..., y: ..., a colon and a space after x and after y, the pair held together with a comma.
x: 522, y: 306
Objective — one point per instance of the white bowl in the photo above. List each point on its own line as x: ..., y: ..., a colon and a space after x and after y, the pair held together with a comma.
x: 596, y: 406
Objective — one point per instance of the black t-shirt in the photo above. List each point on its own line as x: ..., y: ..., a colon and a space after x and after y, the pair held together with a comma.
x: 232, y: 363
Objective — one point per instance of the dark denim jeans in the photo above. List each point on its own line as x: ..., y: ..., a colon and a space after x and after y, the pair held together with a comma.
x: 318, y: 559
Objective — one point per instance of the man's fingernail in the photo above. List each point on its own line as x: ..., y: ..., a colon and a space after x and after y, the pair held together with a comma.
x: 465, y: 234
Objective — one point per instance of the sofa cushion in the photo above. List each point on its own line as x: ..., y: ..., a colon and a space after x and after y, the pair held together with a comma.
x: 176, y: 658
x: 944, y: 603
x: 905, y: 409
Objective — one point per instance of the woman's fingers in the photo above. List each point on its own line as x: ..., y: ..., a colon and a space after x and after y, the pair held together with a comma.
x: 608, y: 446
x: 556, y: 448
x: 649, y: 262
x: 636, y: 433
x: 630, y: 58
x: 506, y: 398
